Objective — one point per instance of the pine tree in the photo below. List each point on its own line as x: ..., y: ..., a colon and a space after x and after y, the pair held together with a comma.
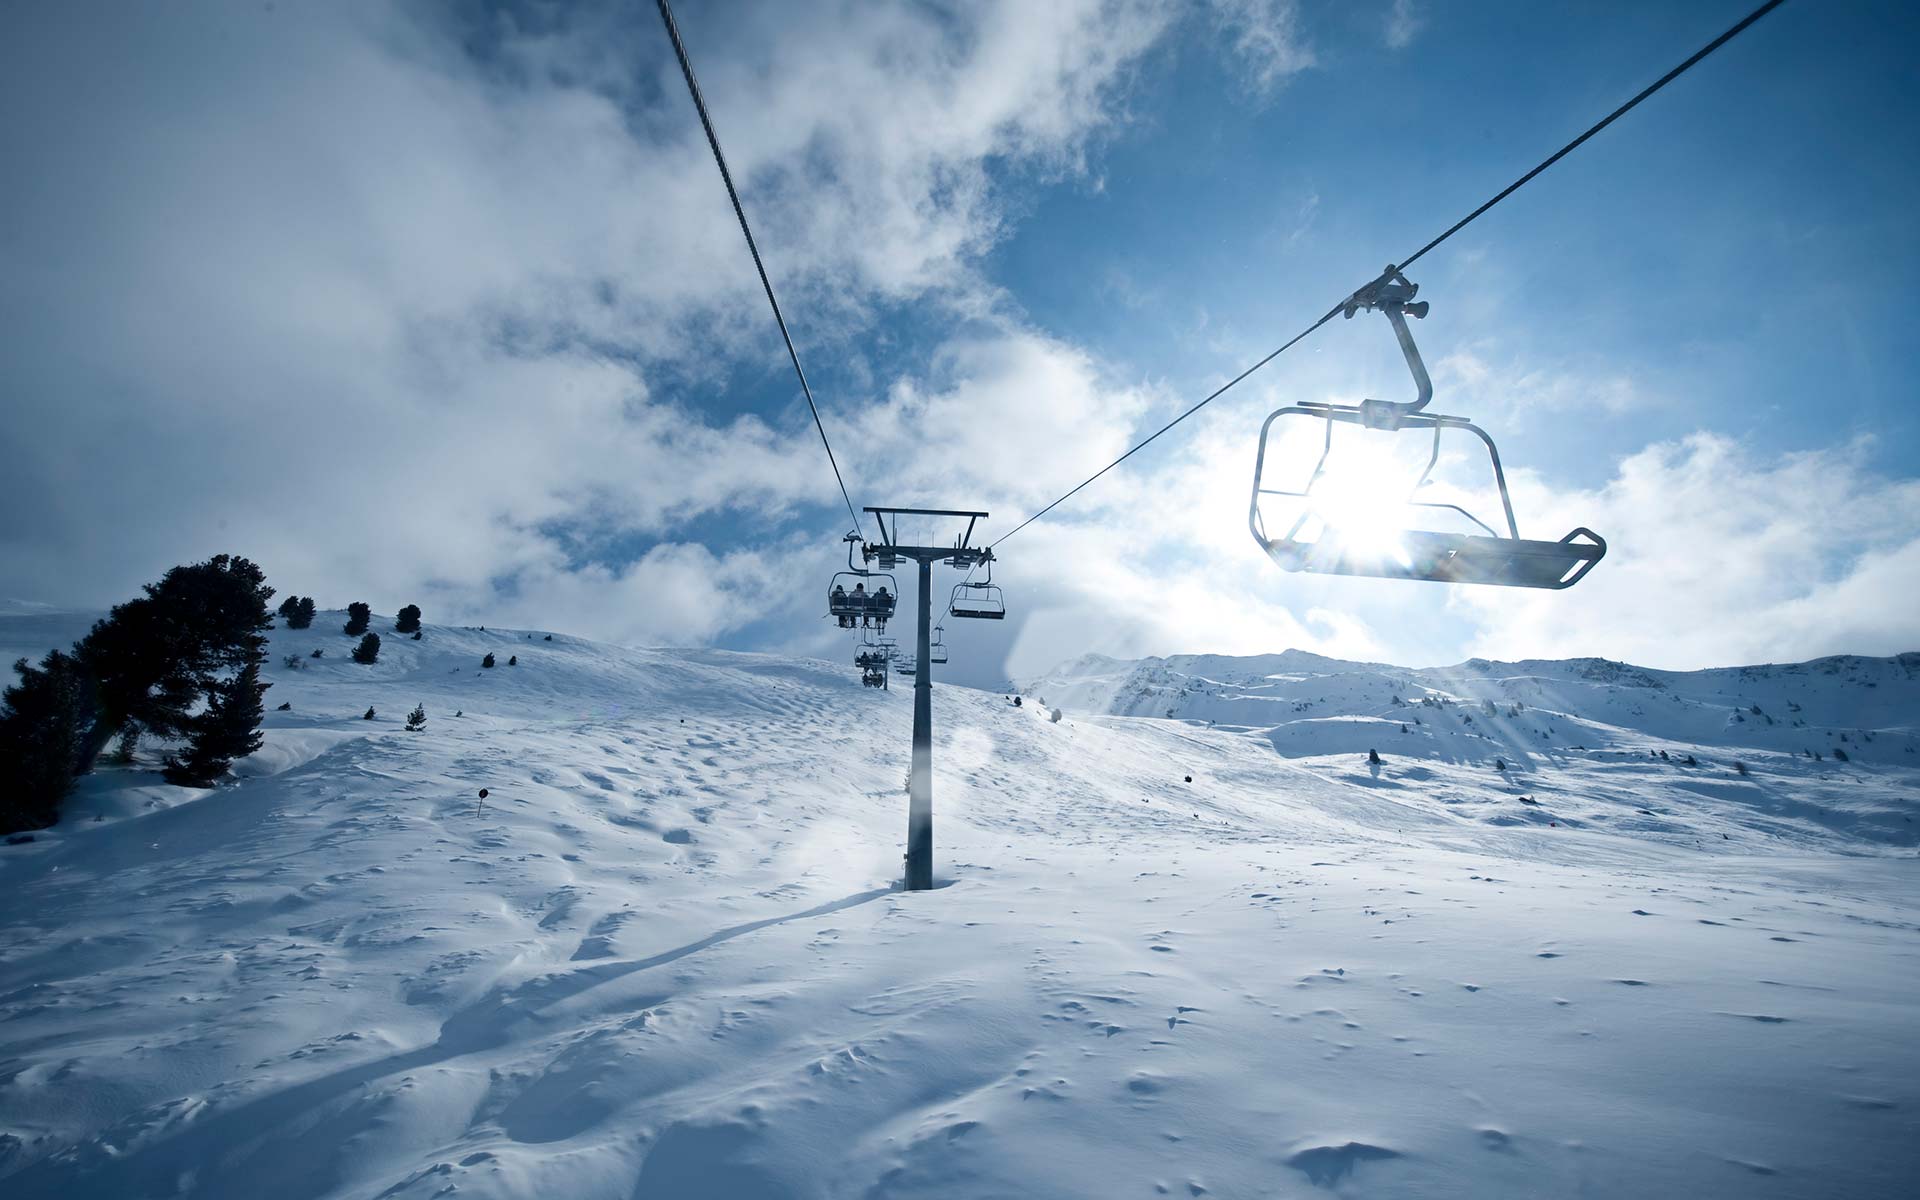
x: 368, y: 650
x: 229, y: 728
x: 407, y: 620
x: 153, y: 657
x: 368, y: 715
x: 513, y: 660
x: 358, y: 614
x: 289, y: 606
x: 43, y: 720
x: 1373, y: 758
x: 487, y: 661
x: 417, y: 719
x: 302, y: 617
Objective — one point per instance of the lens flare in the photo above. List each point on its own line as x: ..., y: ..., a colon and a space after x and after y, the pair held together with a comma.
x: 1362, y: 504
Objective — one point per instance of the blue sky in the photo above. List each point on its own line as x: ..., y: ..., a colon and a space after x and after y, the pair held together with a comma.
x: 447, y: 306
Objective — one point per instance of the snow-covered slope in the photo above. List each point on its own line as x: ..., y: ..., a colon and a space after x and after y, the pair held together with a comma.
x: 1830, y: 747
x: 664, y: 957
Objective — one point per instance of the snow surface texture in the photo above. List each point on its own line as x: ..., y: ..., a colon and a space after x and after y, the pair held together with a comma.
x: 664, y: 957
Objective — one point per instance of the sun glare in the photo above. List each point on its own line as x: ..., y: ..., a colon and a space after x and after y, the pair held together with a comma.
x: 1361, y: 500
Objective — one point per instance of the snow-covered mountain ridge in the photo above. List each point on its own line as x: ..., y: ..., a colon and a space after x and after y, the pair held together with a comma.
x: 664, y: 957
x: 1826, y: 696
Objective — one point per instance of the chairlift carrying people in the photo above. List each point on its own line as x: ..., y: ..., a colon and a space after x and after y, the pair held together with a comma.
x: 849, y: 602
x: 1380, y: 541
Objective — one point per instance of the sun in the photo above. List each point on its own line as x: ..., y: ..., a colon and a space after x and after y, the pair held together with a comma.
x: 1361, y: 500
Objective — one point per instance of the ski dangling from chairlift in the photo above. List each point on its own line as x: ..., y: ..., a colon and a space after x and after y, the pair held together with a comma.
x: 1374, y: 529
x: 978, y: 601
x: 851, y: 603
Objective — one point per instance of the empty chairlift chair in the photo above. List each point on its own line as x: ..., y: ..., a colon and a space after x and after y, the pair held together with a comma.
x: 1373, y: 529
x: 978, y: 601
x: 937, y: 649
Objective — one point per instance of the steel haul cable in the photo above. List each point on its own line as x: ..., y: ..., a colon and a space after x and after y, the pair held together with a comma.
x: 726, y: 176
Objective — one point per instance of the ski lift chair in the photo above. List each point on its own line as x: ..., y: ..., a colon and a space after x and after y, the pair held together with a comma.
x: 853, y: 609
x: 904, y: 665
x: 978, y: 601
x: 874, y: 678
x: 1486, y: 557
x: 937, y: 649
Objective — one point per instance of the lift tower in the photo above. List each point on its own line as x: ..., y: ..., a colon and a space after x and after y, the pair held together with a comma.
x: 920, y: 783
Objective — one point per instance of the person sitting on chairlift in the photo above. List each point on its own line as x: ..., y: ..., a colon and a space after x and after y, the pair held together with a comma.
x: 883, y: 600
x: 839, y: 601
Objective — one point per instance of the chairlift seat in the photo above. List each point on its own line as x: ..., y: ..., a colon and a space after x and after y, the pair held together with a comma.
x: 977, y: 601
x: 1453, y: 558
x: 844, y: 603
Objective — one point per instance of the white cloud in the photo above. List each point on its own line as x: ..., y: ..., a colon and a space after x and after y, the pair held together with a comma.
x: 1718, y: 555
x: 1473, y: 379
x: 1004, y: 414
x: 1267, y: 40
x: 316, y: 284
x: 1404, y: 22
